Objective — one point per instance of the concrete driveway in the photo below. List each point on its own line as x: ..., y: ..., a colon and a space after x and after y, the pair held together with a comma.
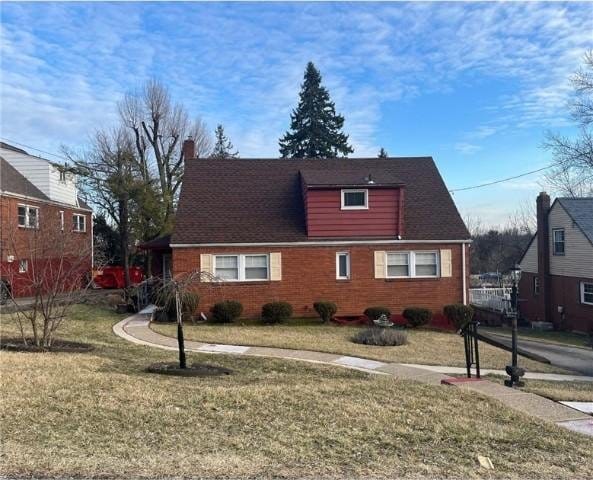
x: 572, y: 358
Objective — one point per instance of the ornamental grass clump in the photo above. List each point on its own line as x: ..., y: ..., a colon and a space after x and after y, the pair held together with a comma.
x: 381, y: 337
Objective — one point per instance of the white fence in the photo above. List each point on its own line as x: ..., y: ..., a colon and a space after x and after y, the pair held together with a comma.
x: 497, y: 299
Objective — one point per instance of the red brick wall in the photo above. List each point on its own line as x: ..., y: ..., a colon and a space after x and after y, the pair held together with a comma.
x: 18, y: 242
x: 309, y: 274
x: 565, y: 292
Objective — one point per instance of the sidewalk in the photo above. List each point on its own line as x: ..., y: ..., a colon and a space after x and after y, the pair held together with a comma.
x: 136, y: 329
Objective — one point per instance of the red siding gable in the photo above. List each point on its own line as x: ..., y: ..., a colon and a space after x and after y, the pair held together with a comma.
x: 326, y: 219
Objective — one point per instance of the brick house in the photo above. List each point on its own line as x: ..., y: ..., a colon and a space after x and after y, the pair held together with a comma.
x: 38, y: 203
x: 359, y: 232
x: 557, y: 281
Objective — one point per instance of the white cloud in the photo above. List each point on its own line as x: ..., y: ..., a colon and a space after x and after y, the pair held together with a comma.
x: 467, y: 148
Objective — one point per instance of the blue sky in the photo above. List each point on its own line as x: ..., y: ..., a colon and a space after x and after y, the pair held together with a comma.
x: 474, y: 85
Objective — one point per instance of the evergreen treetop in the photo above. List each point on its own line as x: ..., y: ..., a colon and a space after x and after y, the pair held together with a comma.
x: 223, y: 148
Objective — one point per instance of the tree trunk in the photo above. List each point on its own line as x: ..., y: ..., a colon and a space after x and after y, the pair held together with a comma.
x: 124, y: 237
x: 180, y: 340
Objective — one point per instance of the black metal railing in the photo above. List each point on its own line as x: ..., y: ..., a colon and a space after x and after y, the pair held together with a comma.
x: 472, y: 351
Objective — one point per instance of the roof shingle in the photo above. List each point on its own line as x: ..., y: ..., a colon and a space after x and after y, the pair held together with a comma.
x: 581, y: 211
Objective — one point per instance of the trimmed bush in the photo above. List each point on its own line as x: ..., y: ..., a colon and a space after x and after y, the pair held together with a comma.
x: 276, y: 312
x: 166, y: 300
x: 383, y: 337
x: 375, y: 312
x: 226, y: 312
x: 458, y: 314
x: 326, y: 310
x: 416, y: 316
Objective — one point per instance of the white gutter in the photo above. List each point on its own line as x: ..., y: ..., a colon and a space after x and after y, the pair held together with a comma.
x: 319, y: 243
x: 45, y: 202
x: 463, y: 274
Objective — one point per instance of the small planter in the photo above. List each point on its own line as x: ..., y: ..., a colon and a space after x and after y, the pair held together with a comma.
x: 195, y: 370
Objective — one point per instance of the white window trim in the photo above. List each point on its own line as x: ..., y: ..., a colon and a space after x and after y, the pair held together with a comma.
x: 78, y: 215
x: 583, y: 293
x: 412, y: 264
x: 241, y: 266
x: 536, y: 285
x: 554, y: 230
x: 338, y: 277
x: 352, y: 190
x: 27, y: 208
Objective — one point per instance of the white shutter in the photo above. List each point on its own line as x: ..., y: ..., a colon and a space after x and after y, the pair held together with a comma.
x: 206, y: 266
x: 446, y: 268
x: 275, y: 266
x: 380, y: 264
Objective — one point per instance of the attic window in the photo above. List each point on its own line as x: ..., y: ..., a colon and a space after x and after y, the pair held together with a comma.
x: 355, y: 199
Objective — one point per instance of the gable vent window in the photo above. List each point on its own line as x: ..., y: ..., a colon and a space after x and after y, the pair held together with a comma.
x: 355, y: 199
x: 558, y: 234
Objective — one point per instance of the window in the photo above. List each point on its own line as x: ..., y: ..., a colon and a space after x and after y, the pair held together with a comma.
x: 412, y: 264
x: 78, y: 223
x: 62, y: 220
x: 587, y: 293
x: 355, y: 199
x: 558, y: 236
x: 251, y: 267
x: 398, y: 264
x: 425, y: 264
x: 28, y: 216
x: 342, y: 265
x: 536, y: 285
x: 23, y: 266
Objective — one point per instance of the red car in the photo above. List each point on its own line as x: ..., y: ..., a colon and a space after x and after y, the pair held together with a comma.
x: 113, y: 277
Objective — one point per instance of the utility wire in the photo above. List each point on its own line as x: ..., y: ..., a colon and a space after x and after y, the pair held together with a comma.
x: 501, y: 180
x: 33, y: 148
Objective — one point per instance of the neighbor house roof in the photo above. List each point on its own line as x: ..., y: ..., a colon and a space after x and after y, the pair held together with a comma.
x: 260, y: 200
x: 12, y: 181
x: 581, y: 212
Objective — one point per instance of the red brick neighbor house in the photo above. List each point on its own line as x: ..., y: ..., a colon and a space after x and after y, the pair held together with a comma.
x: 40, y: 216
x: 359, y: 232
x: 557, y: 281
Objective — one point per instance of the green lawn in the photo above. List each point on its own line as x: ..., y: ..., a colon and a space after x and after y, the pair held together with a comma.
x: 100, y: 415
x: 563, y: 338
x: 424, y: 346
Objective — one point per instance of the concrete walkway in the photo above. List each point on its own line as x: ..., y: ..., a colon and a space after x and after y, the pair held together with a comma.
x: 136, y: 329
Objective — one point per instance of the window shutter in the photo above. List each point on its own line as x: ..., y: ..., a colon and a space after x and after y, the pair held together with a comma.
x: 446, y: 268
x: 379, y: 264
x: 206, y: 266
x: 275, y: 266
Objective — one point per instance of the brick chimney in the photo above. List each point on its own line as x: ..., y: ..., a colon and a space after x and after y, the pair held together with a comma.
x: 543, y: 256
x: 189, y: 148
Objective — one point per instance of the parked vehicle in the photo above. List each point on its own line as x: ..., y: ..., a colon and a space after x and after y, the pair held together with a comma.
x: 113, y: 276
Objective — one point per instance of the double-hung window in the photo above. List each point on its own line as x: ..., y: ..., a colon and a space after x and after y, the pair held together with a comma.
x: 412, y: 264
x: 247, y: 267
x: 558, y: 237
x: 587, y: 293
x: 79, y: 223
x: 342, y: 265
x: 355, y: 199
x: 28, y: 216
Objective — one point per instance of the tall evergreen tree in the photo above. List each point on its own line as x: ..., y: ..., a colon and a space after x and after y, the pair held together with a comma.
x: 223, y: 148
x: 383, y: 153
x: 315, y: 127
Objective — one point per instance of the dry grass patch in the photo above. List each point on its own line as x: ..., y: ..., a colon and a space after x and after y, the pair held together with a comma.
x: 424, y: 346
x: 558, y: 391
x: 99, y: 415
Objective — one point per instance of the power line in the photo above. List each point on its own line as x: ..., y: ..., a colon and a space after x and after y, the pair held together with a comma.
x: 33, y: 148
x: 501, y: 180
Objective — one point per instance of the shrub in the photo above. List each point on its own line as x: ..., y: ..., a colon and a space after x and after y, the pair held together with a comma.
x: 459, y: 314
x: 326, y: 310
x: 375, y: 312
x: 417, y: 316
x: 166, y: 300
x: 226, y: 312
x: 276, y: 312
x: 384, y: 337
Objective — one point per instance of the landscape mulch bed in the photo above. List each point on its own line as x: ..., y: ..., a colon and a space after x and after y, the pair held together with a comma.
x: 194, y: 370
x: 63, y: 346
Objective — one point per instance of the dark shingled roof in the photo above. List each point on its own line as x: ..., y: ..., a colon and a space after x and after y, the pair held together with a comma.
x: 260, y: 200
x: 11, y: 180
x: 581, y: 211
x: 358, y: 176
x: 158, y: 243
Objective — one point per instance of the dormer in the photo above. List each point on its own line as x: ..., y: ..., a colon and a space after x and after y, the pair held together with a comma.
x: 352, y: 203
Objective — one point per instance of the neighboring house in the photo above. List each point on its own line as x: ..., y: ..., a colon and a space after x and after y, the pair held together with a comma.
x: 38, y: 201
x: 359, y: 232
x: 557, y: 281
